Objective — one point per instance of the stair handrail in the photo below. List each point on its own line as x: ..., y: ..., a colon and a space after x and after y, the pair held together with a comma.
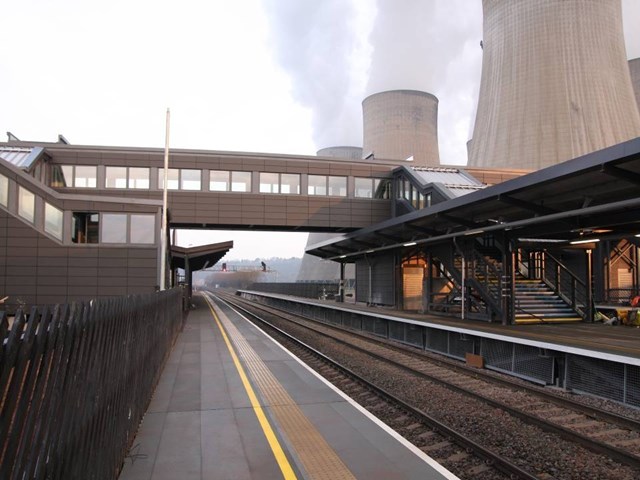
x: 571, y: 296
x: 490, y: 296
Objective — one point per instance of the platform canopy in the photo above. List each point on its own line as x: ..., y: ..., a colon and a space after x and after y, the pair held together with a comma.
x: 200, y: 257
x: 592, y: 197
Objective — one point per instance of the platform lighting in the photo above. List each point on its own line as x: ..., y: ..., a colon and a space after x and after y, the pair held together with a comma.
x: 343, y: 256
x: 638, y: 235
x: 474, y: 232
x: 370, y: 251
x: 410, y: 244
x: 590, y: 240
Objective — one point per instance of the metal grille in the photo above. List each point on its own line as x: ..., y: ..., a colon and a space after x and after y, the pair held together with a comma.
x: 460, y: 345
x: 632, y: 396
x: 353, y: 320
x: 529, y: 363
x: 497, y: 354
x: 368, y: 324
x: 437, y: 340
x: 380, y: 327
x: 595, y: 376
x: 414, y: 335
x: 396, y: 331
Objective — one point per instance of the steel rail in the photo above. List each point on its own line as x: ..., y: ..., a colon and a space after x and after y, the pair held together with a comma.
x: 595, y: 446
x: 497, y: 461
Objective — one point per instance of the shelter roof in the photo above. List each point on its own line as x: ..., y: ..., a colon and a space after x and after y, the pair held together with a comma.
x: 595, y: 195
x: 199, y: 257
x: 21, y: 157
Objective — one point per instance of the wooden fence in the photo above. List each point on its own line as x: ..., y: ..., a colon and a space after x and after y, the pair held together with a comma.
x: 75, y: 381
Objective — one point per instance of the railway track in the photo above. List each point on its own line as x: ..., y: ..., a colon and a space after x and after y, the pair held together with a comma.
x: 610, y: 435
x: 456, y: 451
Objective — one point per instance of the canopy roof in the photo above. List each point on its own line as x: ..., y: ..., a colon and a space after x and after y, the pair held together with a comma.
x: 199, y: 258
x: 596, y: 195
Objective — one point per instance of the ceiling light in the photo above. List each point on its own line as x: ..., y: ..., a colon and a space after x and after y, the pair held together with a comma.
x: 591, y: 240
x: 410, y: 244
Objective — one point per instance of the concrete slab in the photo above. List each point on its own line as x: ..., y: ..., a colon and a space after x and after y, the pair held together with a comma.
x: 201, y: 423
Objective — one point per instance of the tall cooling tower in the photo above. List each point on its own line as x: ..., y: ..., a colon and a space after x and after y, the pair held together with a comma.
x: 555, y: 83
x: 634, y: 68
x: 350, y: 153
x: 400, y: 124
x: 314, y: 268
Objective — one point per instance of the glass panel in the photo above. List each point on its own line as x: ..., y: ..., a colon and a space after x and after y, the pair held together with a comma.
x: 317, y: 185
x: 290, y: 183
x: 4, y: 190
x: 114, y: 228
x: 116, y: 177
x: 61, y: 175
x: 139, y: 177
x: 86, y: 176
x: 190, y: 179
x: 84, y: 227
x: 173, y: 174
x: 143, y: 228
x: 53, y: 221
x: 26, y: 204
x: 364, y: 187
x: 240, y: 181
x: 218, y: 180
x: 268, y: 182
x: 415, y: 195
x: 338, y: 186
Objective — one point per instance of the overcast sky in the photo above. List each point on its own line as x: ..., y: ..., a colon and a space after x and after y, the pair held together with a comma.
x: 284, y: 76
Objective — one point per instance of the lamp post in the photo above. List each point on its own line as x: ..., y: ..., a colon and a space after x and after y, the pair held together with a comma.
x: 163, y: 231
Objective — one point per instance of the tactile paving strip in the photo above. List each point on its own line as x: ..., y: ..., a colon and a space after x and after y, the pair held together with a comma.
x: 319, y: 460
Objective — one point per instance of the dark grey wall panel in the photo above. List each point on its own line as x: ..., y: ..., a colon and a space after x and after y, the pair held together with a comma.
x: 35, y: 270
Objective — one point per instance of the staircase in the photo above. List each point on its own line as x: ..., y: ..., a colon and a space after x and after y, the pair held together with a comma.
x: 537, y: 303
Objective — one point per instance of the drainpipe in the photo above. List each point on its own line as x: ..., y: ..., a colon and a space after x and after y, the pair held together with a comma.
x: 589, y: 282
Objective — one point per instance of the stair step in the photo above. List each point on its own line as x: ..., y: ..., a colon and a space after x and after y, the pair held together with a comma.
x: 545, y: 315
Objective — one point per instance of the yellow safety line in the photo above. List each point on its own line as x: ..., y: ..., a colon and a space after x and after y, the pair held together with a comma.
x: 278, y: 453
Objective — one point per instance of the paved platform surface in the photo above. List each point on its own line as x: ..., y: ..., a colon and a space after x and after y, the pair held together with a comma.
x: 232, y: 404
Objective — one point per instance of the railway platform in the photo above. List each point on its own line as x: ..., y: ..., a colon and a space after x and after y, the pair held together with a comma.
x: 232, y: 404
x: 591, y: 358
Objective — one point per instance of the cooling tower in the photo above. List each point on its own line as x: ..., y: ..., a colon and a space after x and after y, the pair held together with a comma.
x: 400, y: 124
x: 349, y: 153
x: 555, y: 83
x: 634, y: 68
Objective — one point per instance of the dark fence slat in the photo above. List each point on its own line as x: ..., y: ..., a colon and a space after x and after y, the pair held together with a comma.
x: 41, y: 361
x: 75, y: 382
x: 18, y: 357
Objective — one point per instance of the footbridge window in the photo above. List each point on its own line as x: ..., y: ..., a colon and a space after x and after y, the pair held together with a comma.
x: 53, y: 220
x: 287, y: 183
x: 77, y: 176
x: 181, y: 179
x: 229, y: 181
x: 4, y: 191
x: 127, y: 177
x: 113, y: 228
x: 26, y: 204
x: 412, y: 194
x: 327, y: 185
x: 84, y: 227
x: 366, y: 187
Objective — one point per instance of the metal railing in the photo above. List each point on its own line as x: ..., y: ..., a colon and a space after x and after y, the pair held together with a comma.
x: 75, y: 382
x: 565, y: 284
